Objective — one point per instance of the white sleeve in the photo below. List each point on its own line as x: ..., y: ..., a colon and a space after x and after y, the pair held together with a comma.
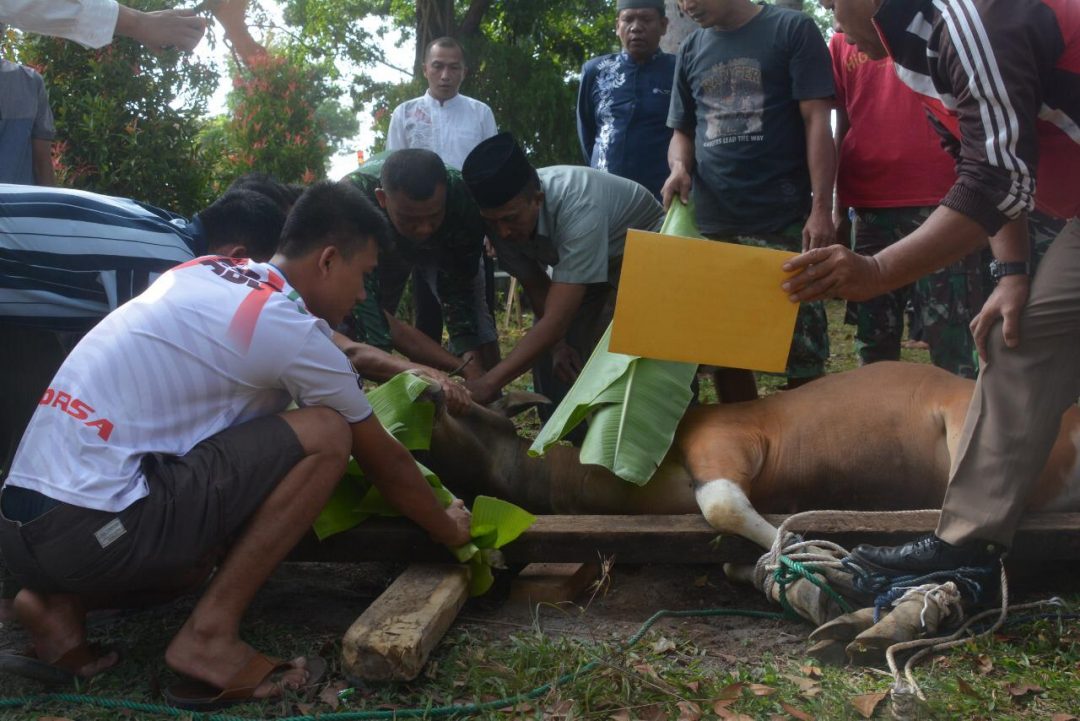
x: 489, y: 127
x: 395, y: 136
x: 319, y: 374
x: 88, y: 22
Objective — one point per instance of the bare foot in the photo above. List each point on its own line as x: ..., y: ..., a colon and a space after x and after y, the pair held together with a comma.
x: 57, y: 624
x: 216, y: 659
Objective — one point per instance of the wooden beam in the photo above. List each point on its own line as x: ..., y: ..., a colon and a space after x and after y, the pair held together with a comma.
x: 670, y: 539
x: 392, y: 639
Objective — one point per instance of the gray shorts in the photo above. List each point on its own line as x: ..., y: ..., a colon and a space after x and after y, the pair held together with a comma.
x: 197, y: 503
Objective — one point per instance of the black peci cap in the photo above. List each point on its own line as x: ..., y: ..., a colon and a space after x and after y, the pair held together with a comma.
x: 496, y: 170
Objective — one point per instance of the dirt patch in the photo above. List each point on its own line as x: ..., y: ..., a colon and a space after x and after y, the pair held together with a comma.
x: 316, y: 603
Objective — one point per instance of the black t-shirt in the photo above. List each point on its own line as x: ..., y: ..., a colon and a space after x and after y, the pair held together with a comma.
x: 737, y: 92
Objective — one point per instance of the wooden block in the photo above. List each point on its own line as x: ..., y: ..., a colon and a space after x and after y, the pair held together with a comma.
x: 392, y: 639
x: 553, y: 582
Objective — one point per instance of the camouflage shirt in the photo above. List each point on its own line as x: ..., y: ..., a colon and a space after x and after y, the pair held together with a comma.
x: 454, y: 250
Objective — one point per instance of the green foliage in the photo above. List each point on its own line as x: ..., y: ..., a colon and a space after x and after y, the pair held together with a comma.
x: 126, y: 119
x: 273, y: 124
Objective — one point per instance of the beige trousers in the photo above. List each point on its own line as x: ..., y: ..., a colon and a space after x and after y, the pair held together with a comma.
x: 1016, y: 409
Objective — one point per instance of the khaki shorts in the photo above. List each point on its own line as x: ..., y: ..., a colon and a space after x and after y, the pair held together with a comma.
x: 197, y: 503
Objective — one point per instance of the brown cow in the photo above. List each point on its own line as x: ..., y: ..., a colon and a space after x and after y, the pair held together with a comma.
x: 877, y: 438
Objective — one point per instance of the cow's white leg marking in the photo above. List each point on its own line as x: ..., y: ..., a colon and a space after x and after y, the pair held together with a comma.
x: 727, y: 509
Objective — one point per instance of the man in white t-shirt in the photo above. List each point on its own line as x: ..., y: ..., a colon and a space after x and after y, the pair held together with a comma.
x: 163, y: 442
x: 449, y: 124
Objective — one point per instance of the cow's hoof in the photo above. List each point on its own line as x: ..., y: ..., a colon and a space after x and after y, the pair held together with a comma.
x: 829, y: 652
x: 740, y: 573
x: 845, y: 628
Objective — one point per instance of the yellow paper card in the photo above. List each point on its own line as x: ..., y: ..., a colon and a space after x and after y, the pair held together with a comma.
x: 703, y: 301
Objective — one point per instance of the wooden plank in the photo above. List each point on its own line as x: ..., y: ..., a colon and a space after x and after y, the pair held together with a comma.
x: 392, y: 639
x: 553, y: 582
x: 684, y: 539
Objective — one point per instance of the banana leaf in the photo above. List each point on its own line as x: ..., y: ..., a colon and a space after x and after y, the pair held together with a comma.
x: 680, y: 220
x: 397, y: 406
x: 633, y: 404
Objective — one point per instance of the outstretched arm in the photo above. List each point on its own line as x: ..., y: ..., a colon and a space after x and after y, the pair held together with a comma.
x: 393, y: 471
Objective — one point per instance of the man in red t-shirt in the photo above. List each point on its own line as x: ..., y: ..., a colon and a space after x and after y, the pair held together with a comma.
x: 892, y: 173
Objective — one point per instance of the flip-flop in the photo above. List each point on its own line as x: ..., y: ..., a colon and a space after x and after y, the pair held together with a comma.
x: 63, y: 671
x: 193, y: 695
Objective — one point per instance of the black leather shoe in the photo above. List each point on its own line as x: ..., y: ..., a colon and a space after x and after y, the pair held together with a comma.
x: 927, y: 555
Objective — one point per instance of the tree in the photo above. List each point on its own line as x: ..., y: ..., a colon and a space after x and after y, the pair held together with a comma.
x: 126, y: 119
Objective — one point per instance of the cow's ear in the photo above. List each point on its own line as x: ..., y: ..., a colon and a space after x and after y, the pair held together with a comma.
x: 514, y: 402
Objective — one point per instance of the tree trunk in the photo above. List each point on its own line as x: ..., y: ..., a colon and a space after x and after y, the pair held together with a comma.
x: 679, y: 26
x: 434, y: 19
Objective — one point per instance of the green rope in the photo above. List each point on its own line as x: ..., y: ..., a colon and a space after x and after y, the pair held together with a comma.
x: 789, y: 571
x: 388, y: 715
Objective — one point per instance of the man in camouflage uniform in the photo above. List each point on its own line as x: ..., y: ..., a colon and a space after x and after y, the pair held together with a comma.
x: 439, y: 232
x: 946, y: 300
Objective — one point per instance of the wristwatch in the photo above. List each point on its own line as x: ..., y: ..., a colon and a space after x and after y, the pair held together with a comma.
x: 999, y: 270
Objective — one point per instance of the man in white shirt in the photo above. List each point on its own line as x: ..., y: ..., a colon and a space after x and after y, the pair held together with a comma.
x: 94, y: 23
x: 450, y: 125
x: 163, y: 442
x: 442, y: 119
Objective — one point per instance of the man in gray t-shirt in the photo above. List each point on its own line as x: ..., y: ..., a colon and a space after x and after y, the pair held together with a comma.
x: 573, y: 219
x: 26, y: 127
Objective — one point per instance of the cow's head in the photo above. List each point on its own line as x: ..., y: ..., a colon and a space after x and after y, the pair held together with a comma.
x: 478, y: 451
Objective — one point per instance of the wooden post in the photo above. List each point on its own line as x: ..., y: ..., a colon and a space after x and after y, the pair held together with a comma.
x: 392, y: 639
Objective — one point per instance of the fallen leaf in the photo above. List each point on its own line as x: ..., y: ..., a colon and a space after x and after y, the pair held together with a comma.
x: 663, y: 645
x: 652, y: 712
x: 807, y: 687
x: 966, y: 688
x: 646, y: 670
x: 811, y: 671
x: 800, y: 715
x: 701, y: 581
x: 622, y: 714
x: 732, y: 691
x: 721, y: 705
x: 1017, y: 690
x: 329, y: 695
x: 1064, y: 717
x: 986, y: 664
x: 305, y: 709
x: 867, y: 703
x: 760, y: 689
x: 560, y: 710
x: 688, y: 711
x: 693, y: 686
x: 727, y: 714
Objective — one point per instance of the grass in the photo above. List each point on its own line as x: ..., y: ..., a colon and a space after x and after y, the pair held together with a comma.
x: 1029, y: 671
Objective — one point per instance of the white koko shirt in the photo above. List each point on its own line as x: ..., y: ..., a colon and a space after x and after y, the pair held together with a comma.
x: 451, y: 129
x: 211, y: 344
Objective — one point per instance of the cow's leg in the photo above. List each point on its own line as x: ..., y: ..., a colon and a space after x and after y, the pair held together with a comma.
x: 727, y: 509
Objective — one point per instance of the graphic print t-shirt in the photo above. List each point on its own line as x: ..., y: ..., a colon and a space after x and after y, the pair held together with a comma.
x: 211, y: 344
x: 737, y: 92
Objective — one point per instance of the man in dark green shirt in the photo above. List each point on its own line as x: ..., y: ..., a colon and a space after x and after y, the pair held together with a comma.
x: 438, y: 231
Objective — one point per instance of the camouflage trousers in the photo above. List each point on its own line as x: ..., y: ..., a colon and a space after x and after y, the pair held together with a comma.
x: 810, y: 344
x: 944, y: 302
